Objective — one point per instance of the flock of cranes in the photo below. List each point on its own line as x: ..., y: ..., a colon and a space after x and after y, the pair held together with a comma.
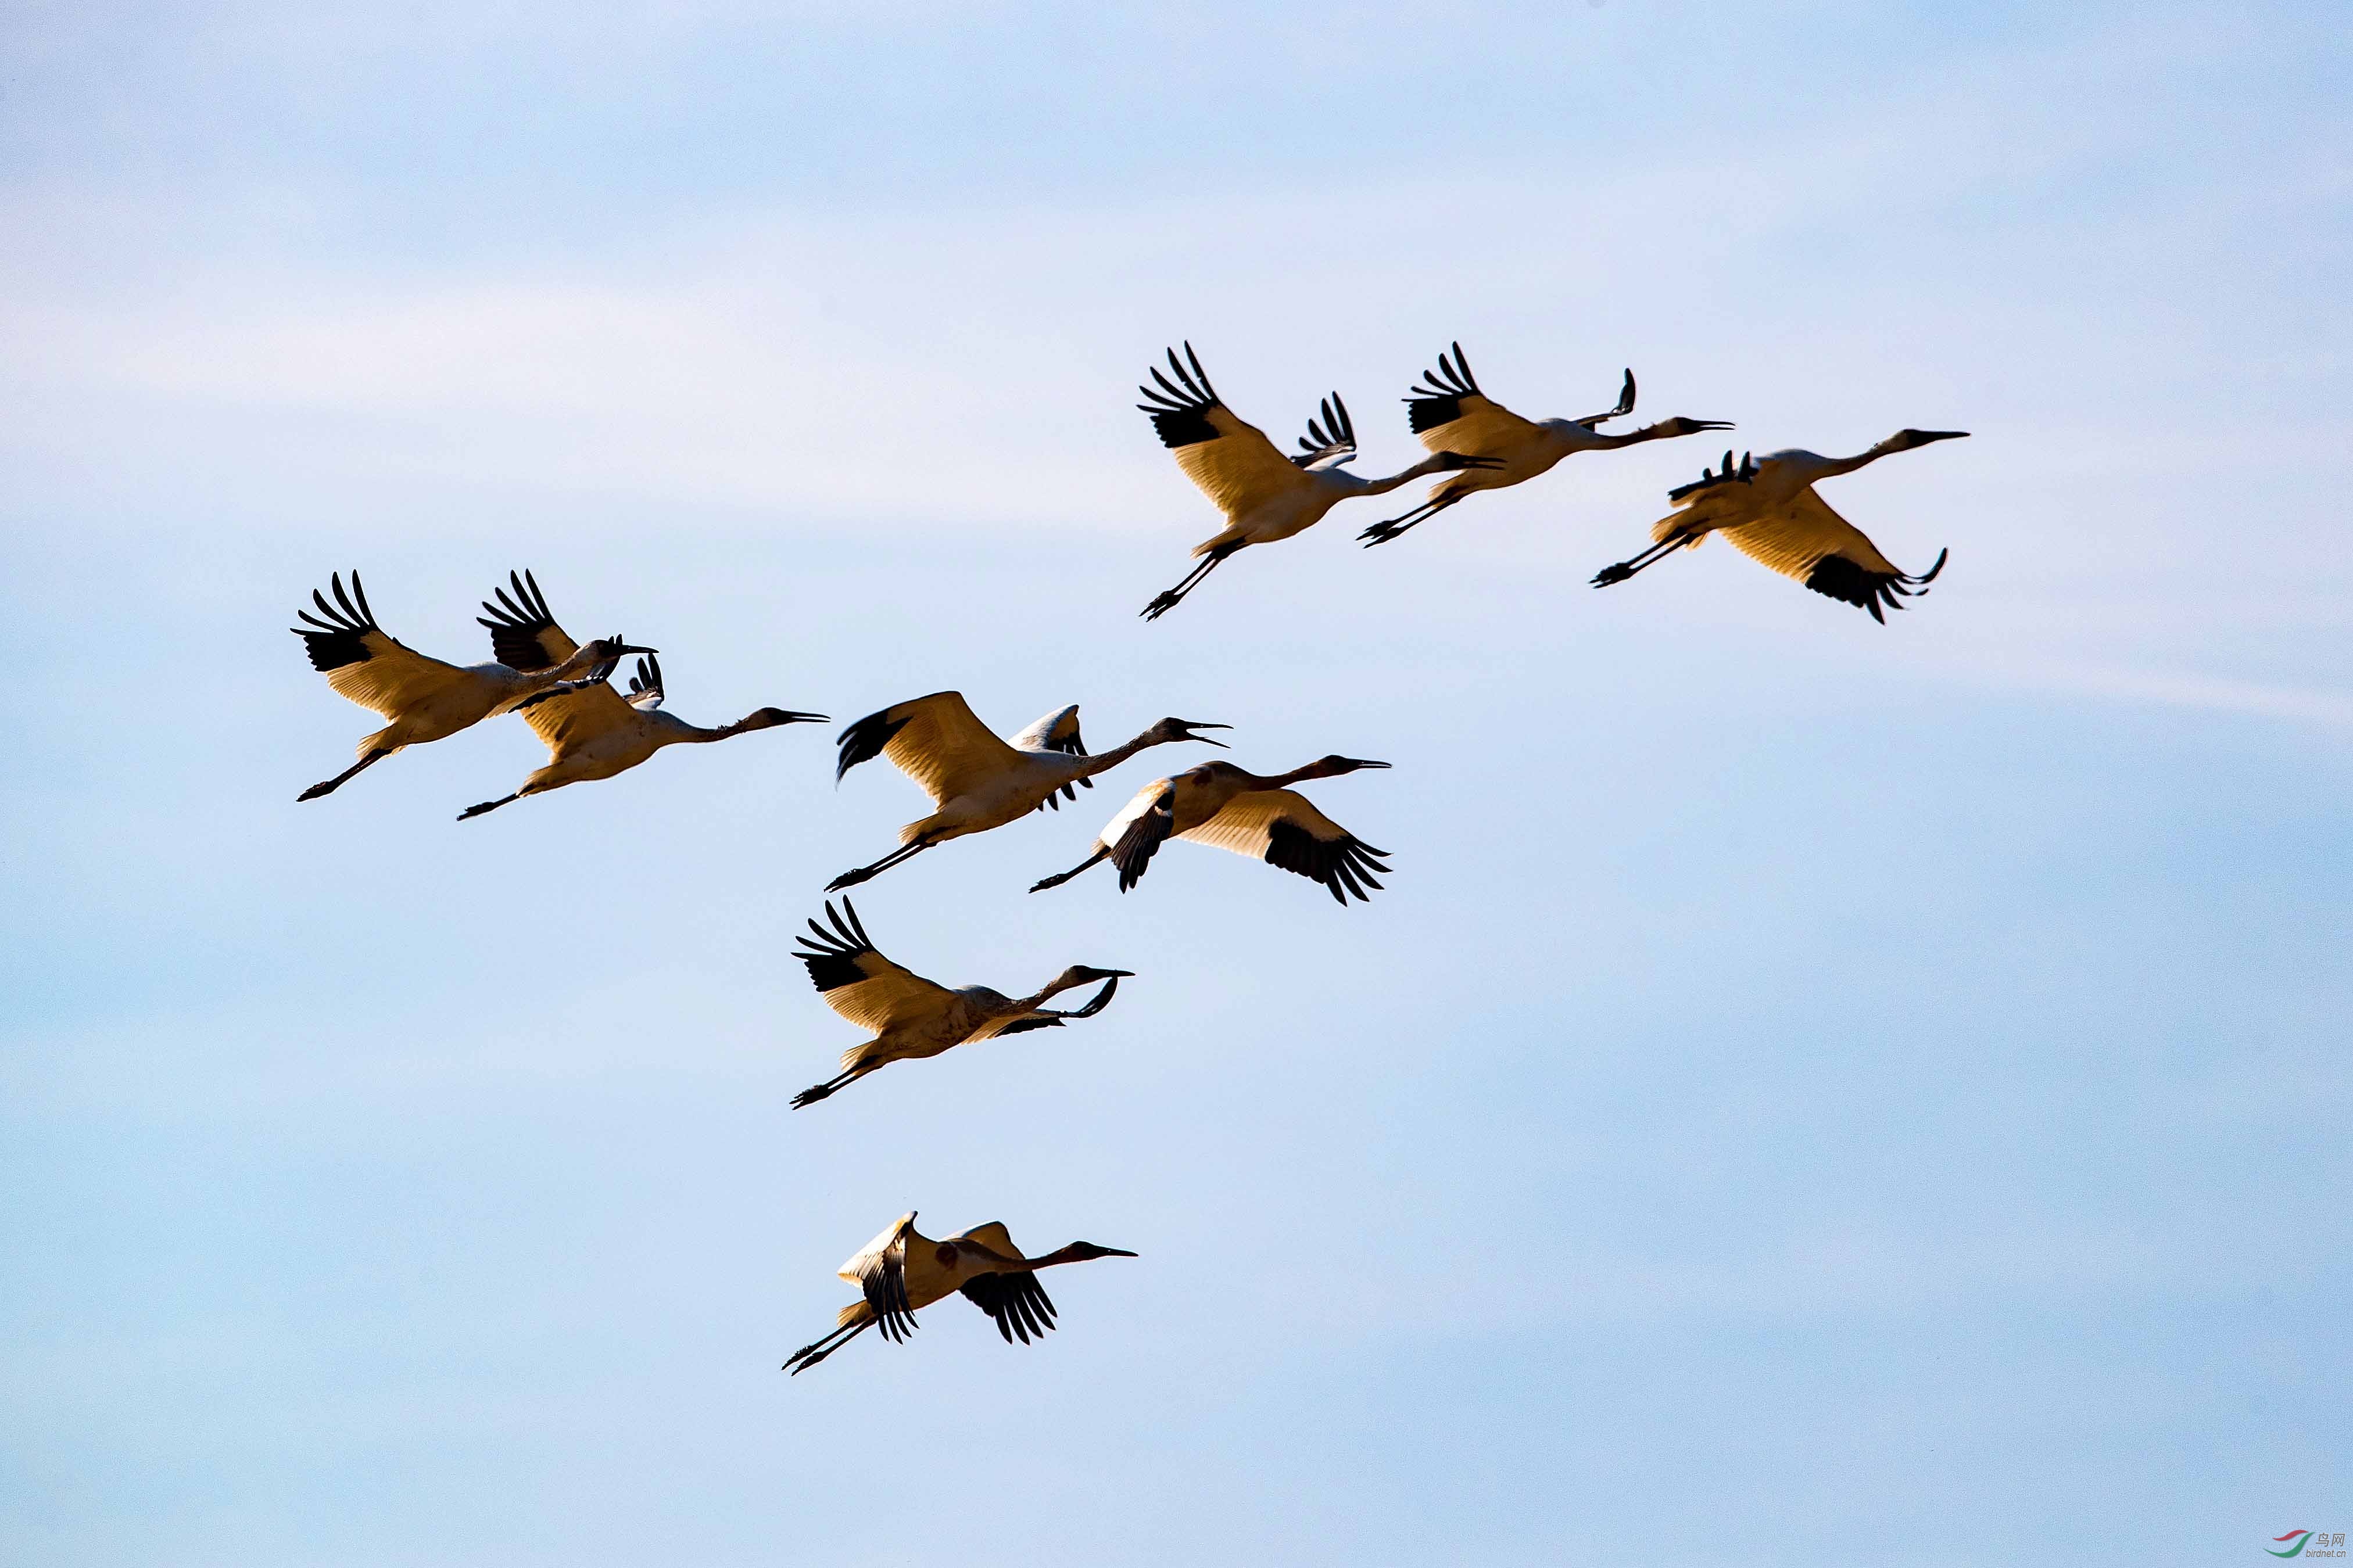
x: 977, y: 781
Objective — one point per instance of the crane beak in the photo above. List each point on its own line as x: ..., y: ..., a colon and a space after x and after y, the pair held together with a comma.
x: 631, y: 648
x: 1709, y: 424
x: 1189, y: 725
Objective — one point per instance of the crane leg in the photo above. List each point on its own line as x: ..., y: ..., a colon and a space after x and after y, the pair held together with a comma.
x: 1058, y: 881
x: 488, y: 806
x: 331, y: 786
x: 808, y: 1356
x: 864, y: 873
x: 1650, y: 557
x: 1382, y: 532
x: 1173, y: 597
x: 817, y: 1091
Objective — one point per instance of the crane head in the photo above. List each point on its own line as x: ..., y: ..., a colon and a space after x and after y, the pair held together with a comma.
x: 769, y: 718
x: 1083, y: 1251
x: 1182, y: 730
x: 1905, y: 440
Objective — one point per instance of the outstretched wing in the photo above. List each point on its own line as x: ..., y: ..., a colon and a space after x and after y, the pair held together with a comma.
x: 880, y: 1270
x: 361, y: 662
x: 1057, y: 732
x: 1017, y: 1303
x: 523, y: 635
x: 1233, y: 462
x: 1625, y: 403
x: 858, y: 982
x: 936, y: 741
x: 569, y: 716
x: 1807, y: 543
x: 1284, y: 828
x: 646, y: 686
x: 1449, y: 413
x: 1136, y: 834
x: 1022, y: 1025
x: 1331, y: 438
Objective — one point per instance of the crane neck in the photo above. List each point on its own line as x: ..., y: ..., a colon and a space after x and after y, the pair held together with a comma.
x: 1070, y: 1254
x: 1314, y: 770
x: 1434, y: 463
x: 1102, y: 762
x: 1832, y: 467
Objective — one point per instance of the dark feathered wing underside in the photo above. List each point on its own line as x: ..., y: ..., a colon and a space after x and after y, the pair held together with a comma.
x: 1840, y: 578
x: 1017, y: 1302
x: 833, y: 956
x: 342, y: 637
x: 1437, y: 398
x: 523, y: 635
x: 864, y: 741
x: 1179, y: 409
x: 1344, y: 866
x: 1143, y: 838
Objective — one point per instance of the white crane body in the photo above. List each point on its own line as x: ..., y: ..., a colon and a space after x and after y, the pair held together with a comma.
x: 426, y: 698
x: 1772, y: 514
x: 901, y: 1272
x: 1252, y: 815
x: 1265, y: 495
x: 591, y: 731
x: 976, y: 780
x: 1449, y: 413
x: 913, y: 1017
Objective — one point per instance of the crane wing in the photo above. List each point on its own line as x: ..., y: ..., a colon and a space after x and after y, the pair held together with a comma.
x: 1449, y: 413
x: 936, y: 741
x: 1057, y: 732
x: 858, y: 982
x: 1324, y: 448
x: 1807, y: 543
x: 646, y: 687
x: 1284, y: 828
x: 1136, y: 834
x: 880, y: 1270
x: 1017, y: 1303
x: 523, y: 635
x: 1233, y: 461
x: 1711, y: 501
x: 363, y: 664
x: 567, y: 717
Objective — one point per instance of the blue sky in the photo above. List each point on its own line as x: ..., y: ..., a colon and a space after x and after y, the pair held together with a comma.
x: 1812, y: 1091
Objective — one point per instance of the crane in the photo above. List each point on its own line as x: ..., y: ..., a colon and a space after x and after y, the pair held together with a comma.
x: 425, y: 698
x: 901, y: 1272
x: 1449, y: 413
x: 913, y: 1017
x: 591, y: 731
x: 1261, y: 816
x: 1264, y: 494
x: 1770, y: 512
x: 976, y: 781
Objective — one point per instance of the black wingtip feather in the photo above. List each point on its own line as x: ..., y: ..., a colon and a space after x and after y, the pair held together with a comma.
x: 1342, y: 865
x: 342, y: 636
x: 1836, y: 577
x: 864, y: 741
